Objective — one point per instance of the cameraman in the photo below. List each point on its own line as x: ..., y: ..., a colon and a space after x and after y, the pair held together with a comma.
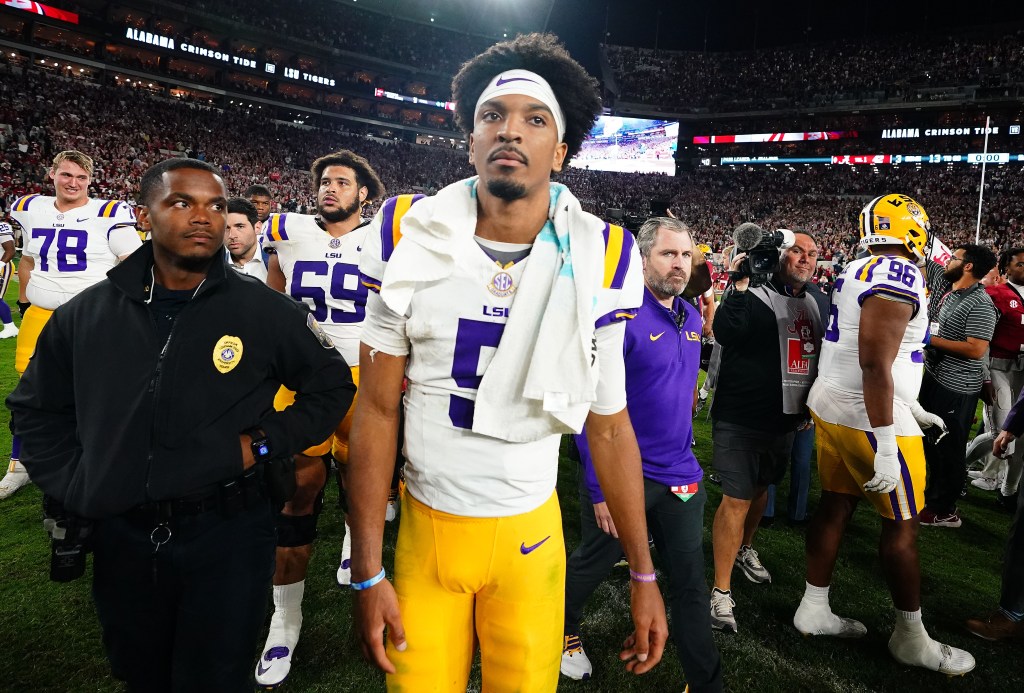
x: 147, y: 413
x: 770, y: 337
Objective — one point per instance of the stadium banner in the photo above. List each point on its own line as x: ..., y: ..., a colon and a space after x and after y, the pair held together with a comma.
x: 940, y: 252
x: 233, y: 59
x: 972, y: 158
x: 963, y: 131
x: 857, y: 159
x: 394, y: 96
x: 45, y: 10
x: 630, y: 145
x: 776, y: 137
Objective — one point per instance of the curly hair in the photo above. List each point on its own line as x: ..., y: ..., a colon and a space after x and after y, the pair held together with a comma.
x: 1006, y: 257
x: 577, y: 92
x: 366, y: 177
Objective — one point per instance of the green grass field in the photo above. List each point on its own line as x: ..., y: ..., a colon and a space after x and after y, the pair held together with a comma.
x: 51, y: 637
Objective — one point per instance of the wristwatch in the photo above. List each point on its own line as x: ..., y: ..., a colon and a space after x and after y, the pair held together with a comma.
x: 261, y: 448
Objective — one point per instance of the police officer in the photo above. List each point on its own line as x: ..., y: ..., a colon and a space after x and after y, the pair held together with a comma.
x: 147, y: 414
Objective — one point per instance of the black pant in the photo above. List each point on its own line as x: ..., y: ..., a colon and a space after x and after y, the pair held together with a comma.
x: 678, y: 531
x: 947, y: 462
x: 196, y: 627
x: 1012, y: 596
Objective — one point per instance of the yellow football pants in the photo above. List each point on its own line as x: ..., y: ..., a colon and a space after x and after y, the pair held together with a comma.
x: 462, y: 580
x: 32, y: 324
x: 846, y: 461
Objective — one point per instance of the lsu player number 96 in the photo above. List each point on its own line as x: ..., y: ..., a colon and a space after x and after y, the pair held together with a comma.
x: 864, y: 447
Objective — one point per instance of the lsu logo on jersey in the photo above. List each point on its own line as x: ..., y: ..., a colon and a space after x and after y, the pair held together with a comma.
x: 227, y: 353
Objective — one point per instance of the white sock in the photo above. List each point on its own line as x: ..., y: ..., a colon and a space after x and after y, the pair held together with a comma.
x: 909, y: 624
x: 287, y: 620
x: 814, y: 616
x: 817, y: 596
x: 346, y: 543
x: 911, y: 644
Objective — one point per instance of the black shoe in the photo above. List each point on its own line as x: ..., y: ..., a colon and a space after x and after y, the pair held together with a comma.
x: 714, y: 478
x: 1008, y: 503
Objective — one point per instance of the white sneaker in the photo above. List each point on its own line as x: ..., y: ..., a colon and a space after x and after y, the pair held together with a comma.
x: 986, y: 483
x: 276, y: 661
x: 15, y: 478
x: 810, y: 619
x: 922, y: 651
x: 9, y: 330
x: 575, y: 663
x: 722, y: 605
x: 344, y: 575
x: 749, y: 563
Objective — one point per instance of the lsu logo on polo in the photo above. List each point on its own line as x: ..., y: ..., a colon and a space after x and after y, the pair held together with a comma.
x: 227, y: 353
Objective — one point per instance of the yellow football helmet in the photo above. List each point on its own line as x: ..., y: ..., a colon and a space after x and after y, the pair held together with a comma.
x: 704, y: 248
x: 895, y: 220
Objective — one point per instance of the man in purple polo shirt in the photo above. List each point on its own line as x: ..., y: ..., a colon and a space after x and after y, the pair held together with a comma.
x: 662, y: 356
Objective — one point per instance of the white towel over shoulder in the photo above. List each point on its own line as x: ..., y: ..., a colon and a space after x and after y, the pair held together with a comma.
x: 543, y: 377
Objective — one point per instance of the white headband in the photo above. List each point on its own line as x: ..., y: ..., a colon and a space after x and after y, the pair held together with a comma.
x: 529, y: 84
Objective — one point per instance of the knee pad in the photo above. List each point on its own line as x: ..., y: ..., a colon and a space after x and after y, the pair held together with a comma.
x: 296, y: 530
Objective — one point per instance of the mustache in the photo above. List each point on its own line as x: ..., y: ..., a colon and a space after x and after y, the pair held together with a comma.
x: 517, y: 154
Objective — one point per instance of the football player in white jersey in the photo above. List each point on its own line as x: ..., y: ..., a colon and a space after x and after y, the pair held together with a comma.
x: 508, y: 334
x: 869, y: 428
x: 6, y: 272
x: 70, y: 243
x: 316, y: 260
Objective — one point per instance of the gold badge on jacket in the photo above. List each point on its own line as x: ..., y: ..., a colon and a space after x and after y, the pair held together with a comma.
x: 227, y: 353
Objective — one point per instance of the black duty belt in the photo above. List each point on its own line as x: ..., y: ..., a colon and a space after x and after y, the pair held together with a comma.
x: 228, y: 498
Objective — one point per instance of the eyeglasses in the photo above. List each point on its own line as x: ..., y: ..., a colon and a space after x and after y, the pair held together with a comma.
x: 958, y: 259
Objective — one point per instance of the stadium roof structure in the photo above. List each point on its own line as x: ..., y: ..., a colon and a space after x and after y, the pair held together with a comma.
x: 494, y: 18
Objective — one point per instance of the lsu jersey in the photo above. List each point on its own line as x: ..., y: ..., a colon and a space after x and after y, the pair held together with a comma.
x: 837, y: 395
x: 72, y: 250
x: 1008, y: 338
x: 7, y: 268
x: 451, y: 332
x: 323, y: 272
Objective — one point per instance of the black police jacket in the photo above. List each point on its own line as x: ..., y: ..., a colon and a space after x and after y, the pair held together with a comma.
x: 110, y: 416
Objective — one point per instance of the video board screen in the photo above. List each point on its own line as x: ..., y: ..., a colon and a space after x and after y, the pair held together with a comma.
x: 776, y: 137
x: 630, y: 145
x: 45, y: 10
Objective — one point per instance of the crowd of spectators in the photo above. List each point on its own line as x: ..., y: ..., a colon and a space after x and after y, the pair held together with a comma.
x: 128, y: 129
x: 874, y: 69
x: 343, y: 27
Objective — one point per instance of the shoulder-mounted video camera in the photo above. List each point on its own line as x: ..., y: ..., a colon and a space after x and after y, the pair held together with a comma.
x: 763, y: 250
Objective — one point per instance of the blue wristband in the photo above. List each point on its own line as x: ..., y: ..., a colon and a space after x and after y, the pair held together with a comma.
x: 367, y: 584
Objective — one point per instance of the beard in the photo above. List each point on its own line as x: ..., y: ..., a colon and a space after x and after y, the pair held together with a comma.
x: 663, y: 286
x: 340, y: 214
x: 954, y: 274
x: 507, y: 190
